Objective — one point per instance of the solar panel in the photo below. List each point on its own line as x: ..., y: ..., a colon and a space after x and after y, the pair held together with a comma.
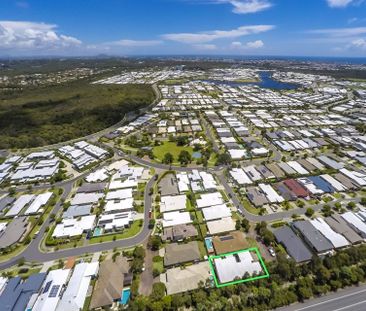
x: 54, y: 291
x: 226, y: 238
x: 47, y: 287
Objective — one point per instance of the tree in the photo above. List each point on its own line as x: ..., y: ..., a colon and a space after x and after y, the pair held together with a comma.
x: 351, y: 205
x: 363, y: 201
x: 223, y: 158
x: 154, y: 242
x: 184, y: 157
x: 182, y: 140
x: 158, y: 291
x: 309, y: 212
x: 168, y: 158
x: 327, y: 211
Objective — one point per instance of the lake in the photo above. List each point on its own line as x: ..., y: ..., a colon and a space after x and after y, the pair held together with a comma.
x: 266, y: 82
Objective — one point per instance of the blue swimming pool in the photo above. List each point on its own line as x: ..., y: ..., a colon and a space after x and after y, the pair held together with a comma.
x: 209, y: 245
x: 97, y: 231
x: 125, y: 296
x: 197, y: 155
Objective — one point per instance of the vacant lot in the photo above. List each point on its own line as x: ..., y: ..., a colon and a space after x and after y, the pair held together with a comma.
x: 42, y: 116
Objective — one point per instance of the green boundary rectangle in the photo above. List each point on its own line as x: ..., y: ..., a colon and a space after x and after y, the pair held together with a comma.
x: 255, y: 249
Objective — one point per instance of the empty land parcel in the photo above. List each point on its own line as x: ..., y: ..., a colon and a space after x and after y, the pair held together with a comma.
x: 46, y: 115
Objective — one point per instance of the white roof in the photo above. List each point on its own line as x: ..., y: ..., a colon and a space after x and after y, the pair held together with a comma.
x: 72, y: 227
x: 335, y: 238
x: 176, y: 218
x: 338, y: 186
x: 115, y: 221
x: 119, y: 194
x: 297, y: 167
x: 38, y: 202
x: 86, y: 198
x: 222, y: 225
x: 19, y: 204
x: 209, y: 199
x: 237, y: 154
x: 228, y: 268
x: 99, y: 175
x: 208, y: 181
x: 119, y: 184
x: 173, y: 203
x: 271, y: 194
x: 123, y: 205
x: 358, y: 178
x: 240, y: 176
x: 252, y: 173
x: 74, y: 296
x: 216, y: 212
x: 355, y: 221
x: 50, y: 292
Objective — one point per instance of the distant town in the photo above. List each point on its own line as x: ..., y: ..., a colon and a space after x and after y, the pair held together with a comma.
x: 241, y: 185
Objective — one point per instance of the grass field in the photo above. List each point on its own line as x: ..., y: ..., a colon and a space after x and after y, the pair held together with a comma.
x: 47, y: 115
x: 160, y: 151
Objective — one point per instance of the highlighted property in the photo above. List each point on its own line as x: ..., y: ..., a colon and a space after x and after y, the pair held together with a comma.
x: 238, y: 267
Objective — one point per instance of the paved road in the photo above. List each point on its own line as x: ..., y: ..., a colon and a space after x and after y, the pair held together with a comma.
x: 33, y: 253
x: 350, y: 299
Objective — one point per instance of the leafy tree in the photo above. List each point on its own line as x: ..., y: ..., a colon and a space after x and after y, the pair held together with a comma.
x: 309, y: 212
x: 184, y: 157
x: 168, y: 158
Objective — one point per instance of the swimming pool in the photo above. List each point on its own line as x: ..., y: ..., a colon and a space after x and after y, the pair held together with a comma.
x: 209, y: 245
x: 97, y: 231
x: 197, y: 155
x: 125, y: 296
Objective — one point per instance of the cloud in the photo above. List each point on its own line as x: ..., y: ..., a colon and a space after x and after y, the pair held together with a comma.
x: 204, y: 37
x: 247, y: 6
x: 255, y: 44
x: 343, y: 3
x: 358, y: 43
x: 23, y: 35
x: 135, y: 43
x: 249, y: 45
x: 339, y: 3
x: 205, y: 47
x: 22, y: 4
x: 339, y: 32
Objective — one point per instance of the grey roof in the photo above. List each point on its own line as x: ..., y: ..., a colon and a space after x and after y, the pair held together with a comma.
x: 339, y: 225
x: 77, y: 211
x: 94, y: 187
x: 295, y: 247
x: 13, y: 232
x: 181, y: 253
x: 17, y: 294
x: 256, y: 197
x: 314, y: 238
x: 345, y: 181
x: 330, y: 162
x: 310, y: 167
x: 4, y: 202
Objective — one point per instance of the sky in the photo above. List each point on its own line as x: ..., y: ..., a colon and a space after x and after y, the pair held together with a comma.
x: 330, y: 28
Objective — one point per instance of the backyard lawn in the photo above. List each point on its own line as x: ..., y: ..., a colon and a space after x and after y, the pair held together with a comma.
x: 171, y: 147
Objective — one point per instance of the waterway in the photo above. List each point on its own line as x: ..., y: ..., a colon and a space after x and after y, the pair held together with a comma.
x: 266, y: 81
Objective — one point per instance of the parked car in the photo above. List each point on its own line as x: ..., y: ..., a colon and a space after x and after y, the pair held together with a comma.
x: 271, y: 251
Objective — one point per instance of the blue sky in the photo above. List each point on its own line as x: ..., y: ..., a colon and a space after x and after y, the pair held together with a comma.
x: 217, y: 27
